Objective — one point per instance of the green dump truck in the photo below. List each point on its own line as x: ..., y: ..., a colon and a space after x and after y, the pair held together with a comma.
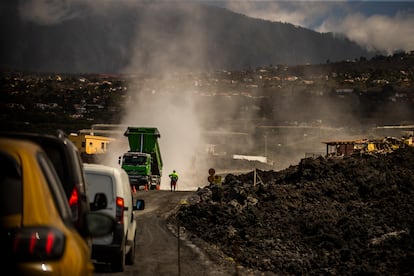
x: 143, y: 162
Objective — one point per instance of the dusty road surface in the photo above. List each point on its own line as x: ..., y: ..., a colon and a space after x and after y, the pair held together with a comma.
x: 158, y: 251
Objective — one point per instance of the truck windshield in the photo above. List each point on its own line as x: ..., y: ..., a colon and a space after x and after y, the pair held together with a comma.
x: 134, y: 160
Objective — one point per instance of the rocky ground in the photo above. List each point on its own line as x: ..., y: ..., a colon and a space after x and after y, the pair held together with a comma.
x: 344, y: 216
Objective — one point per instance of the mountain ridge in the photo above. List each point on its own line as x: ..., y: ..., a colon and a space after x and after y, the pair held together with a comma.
x: 154, y: 37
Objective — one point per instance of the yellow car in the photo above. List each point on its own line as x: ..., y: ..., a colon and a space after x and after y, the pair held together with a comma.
x: 38, y: 236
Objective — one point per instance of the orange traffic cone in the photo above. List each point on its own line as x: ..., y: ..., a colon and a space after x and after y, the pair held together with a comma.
x: 134, y: 190
x: 146, y: 187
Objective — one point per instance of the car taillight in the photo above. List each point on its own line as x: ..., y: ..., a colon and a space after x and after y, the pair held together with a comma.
x: 120, y: 210
x: 74, y: 204
x: 37, y: 244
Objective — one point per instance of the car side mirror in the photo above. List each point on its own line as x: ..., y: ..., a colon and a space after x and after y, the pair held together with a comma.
x: 139, y: 204
x: 99, y: 202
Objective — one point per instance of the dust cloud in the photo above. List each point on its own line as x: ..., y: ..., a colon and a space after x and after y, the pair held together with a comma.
x: 166, y: 99
x: 180, y: 141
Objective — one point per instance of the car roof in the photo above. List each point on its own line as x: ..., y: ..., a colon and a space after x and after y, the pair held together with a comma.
x: 61, y: 151
x: 100, y: 168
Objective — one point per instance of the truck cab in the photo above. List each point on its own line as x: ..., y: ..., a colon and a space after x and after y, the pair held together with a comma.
x: 142, y: 162
x: 138, y: 167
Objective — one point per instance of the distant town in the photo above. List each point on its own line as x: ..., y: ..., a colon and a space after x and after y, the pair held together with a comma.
x: 367, y: 87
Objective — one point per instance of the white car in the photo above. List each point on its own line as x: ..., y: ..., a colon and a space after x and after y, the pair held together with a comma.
x: 111, y: 184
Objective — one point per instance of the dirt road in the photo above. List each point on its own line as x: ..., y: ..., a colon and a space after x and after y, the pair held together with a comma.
x: 158, y: 251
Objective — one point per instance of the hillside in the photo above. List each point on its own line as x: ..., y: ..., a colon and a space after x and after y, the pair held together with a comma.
x: 154, y: 37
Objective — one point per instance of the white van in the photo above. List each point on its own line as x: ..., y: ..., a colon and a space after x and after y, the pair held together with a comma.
x: 109, y: 192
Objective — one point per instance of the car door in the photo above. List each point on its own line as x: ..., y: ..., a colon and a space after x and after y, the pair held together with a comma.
x: 102, y: 182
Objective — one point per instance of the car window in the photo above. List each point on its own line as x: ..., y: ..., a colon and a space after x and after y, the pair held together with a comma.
x: 55, y: 186
x: 10, y: 186
x: 58, y: 158
x: 79, y: 172
x: 99, y: 183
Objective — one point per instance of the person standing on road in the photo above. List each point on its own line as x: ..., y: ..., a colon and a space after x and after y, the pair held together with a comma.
x: 174, y: 178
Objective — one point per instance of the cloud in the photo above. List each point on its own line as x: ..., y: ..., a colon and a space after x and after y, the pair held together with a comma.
x: 379, y: 32
x: 385, y: 27
x: 46, y: 12
x: 301, y: 13
x: 51, y: 12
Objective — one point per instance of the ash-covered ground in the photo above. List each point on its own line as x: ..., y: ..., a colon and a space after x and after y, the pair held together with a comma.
x: 325, y: 216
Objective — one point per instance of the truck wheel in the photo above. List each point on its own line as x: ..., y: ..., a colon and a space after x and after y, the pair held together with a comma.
x: 130, y: 257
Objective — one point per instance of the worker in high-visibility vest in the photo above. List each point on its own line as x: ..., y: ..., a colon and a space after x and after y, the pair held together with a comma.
x: 174, y: 178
